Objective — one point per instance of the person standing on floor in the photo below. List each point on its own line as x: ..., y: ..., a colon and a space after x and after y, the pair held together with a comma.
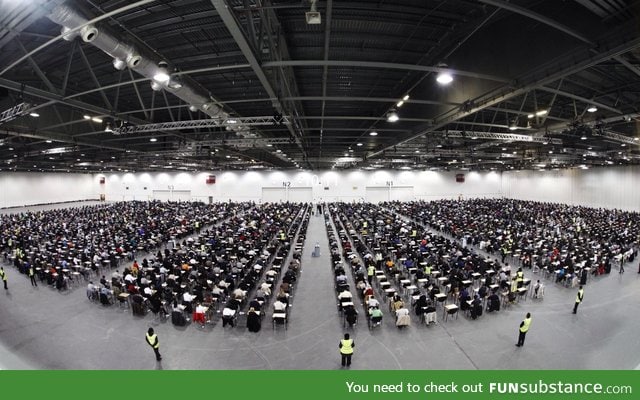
x: 3, y: 275
x: 579, y: 298
x: 152, y: 340
x: 346, y: 349
x: 32, y: 276
x: 524, y: 328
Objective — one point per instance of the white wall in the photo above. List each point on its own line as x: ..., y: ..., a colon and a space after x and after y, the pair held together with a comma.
x: 26, y: 188
x: 611, y: 187
x: 340, y: 185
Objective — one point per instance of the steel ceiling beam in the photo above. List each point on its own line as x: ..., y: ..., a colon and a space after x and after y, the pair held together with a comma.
x: 537, y: 17
x: 325, y: 68
x: 201, y: 123
x: 380, y: 65
x: 58, y: 137
x: 579, y: 98
x: 567, y: 65
x: 246, y: 143
x: 513, y: 137
x: 616, y: 136
x: 235, y: 30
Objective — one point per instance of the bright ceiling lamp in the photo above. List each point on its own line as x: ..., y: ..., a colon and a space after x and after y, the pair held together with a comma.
x: 513, y: 125
x: 592, y: 109
x: 406, y: 97
x: 540, y: 113
x: 400, y: 103
x: 119, y: 64
x: 34, y: 114
x: 444, y: 77
x: 162, y: 74
x: 374, y: 133
x: 392, y: 116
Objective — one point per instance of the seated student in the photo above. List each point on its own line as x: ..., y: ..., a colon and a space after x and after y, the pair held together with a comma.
x: 199, y: 314
x: 345, y: 295
x: 105, y: 296
x: 494, y: 302
x: 376, y: 316
x: 396, y: 303
x: 433, y: 292
x: 372, y: 302
x: 483, y: 291
x: 420, y: 305
x: 253, y: 320
x: 265, y: 288
x: 229, y: 312
x: 239, y: 294
x: 351, y: 315
x: 279, y: 306
x: 283, y: 296
x: 155, y: 302
x: 256, y: 303
x: 463, y: 298
x: 402, y: 317
x: 476, y: 307
x: 187, y: 300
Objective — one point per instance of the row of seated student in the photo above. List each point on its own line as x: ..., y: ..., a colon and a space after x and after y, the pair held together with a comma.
x: 193, y: 271
x: 460, y: 263
x: 88, y: 237
x: 396, y: 304
x: 350, y: 314
x: 539, y: 234
x: 263, y: 292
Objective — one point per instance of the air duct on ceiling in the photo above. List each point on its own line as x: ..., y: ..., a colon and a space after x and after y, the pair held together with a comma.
x: 137, y: 59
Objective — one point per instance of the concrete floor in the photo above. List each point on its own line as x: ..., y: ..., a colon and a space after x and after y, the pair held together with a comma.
x: 41, y: 328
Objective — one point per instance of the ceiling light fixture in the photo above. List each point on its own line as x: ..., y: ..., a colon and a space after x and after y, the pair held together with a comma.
x: 540, y: 113
x: 358, y: 144
x: 392, y: 116
x: 374, y: 133
x: 514, y: 125
x: 312, y: 16
x: 444, y: 77
x: 119, y: 64
x: 97, y: 119
x: 162, y: 74
x: 592, y: 109
x: 86, y: 117
x: 400, y: 103
x: 153, y: 139
x: 34, y: 114
x: 530, y: 116
x: 406, y: 97
x: 107, y: 127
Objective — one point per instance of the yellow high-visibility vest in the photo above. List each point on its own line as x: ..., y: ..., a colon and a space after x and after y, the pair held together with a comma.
x: 525, y: 326
x: 347, y: 346
x: 580, y: 296
x: 153, y: 340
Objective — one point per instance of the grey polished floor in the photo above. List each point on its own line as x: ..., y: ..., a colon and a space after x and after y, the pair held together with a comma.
x: 41, y: 328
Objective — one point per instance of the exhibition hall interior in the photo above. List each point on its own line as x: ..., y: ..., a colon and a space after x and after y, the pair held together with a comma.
x: 237, y: 184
